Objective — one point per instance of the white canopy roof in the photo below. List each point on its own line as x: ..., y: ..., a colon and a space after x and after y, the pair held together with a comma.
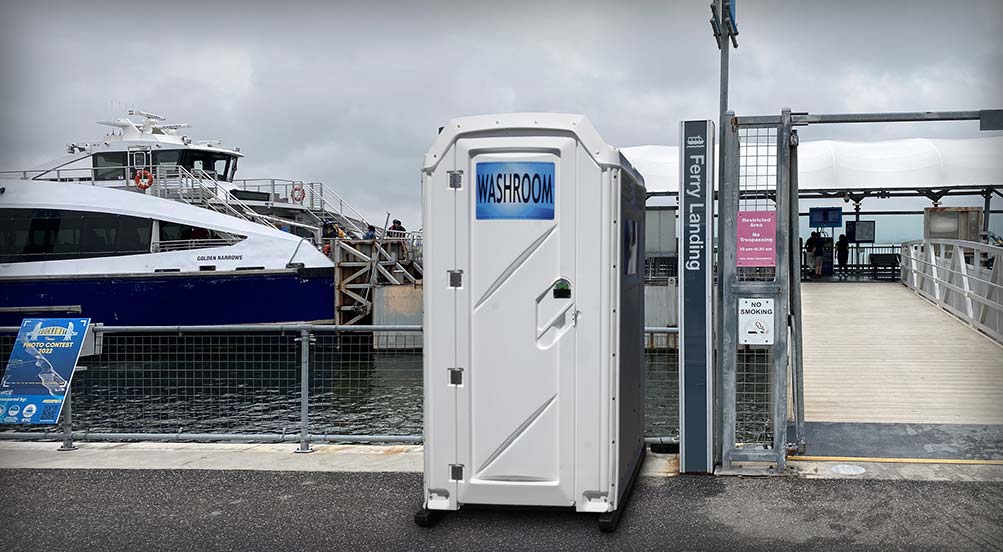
x: 913, y: 164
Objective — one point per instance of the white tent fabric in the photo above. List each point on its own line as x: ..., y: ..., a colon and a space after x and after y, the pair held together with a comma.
x: 917, y: 163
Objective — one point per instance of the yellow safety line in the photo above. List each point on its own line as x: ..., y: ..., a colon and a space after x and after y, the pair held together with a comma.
x: 896, y: 460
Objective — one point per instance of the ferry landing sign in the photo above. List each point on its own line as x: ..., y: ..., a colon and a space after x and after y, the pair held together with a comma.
x: 696, y: 363
x: 515, y: 190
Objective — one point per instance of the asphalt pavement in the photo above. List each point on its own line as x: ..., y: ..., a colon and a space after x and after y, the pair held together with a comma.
x: 150, y: 510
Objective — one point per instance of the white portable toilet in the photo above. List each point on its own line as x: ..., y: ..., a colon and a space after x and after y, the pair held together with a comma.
x: 533, y: 316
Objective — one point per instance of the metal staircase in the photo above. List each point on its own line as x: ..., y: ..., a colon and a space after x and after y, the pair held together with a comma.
x: 363, y: 265
x: 199, y: 188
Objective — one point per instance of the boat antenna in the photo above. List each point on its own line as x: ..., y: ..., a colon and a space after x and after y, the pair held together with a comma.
x: 147, y: 114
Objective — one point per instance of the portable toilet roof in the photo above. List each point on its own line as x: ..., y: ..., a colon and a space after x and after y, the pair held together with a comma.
x: 518, y: 123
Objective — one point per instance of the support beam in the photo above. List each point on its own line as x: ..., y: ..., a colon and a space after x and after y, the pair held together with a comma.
x: 727, y: 327
x: 986, y: 211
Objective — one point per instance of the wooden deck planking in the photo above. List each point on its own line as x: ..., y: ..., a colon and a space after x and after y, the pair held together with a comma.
x: 877, y: 352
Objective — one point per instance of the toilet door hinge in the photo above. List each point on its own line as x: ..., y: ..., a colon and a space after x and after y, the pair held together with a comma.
x: 455, y: 278
x: 456, y: 376
x: 456, y: 472
x: 455, y: 179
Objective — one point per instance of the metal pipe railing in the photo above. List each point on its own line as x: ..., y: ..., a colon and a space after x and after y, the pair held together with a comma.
x: 961, y: 277
x: 311, y: 367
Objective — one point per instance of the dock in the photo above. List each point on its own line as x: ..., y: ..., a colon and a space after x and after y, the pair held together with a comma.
x: 880, y: 353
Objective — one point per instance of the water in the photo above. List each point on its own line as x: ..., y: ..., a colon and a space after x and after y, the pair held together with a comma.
x: 250, y: 383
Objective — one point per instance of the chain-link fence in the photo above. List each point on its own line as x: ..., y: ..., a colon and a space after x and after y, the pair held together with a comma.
x: 757, y: 184
x: 362, y: 385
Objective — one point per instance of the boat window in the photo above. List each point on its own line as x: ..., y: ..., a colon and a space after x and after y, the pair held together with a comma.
x: 51, y: 234
x: 42, y: 229
x: 67, y: 242
x: 215, y: 163
x: 176, y: 237
x: 99, y: 235
x: 140, y: 159
x: 172, y: 231
x: 109, y: 165
x: 133, y: 235
x: 166, y: 157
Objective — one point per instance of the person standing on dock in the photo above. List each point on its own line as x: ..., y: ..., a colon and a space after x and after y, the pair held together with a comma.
x: 842, y: 255
x: 370, y: 233
x: 397, y: 230
x: 814, y: 248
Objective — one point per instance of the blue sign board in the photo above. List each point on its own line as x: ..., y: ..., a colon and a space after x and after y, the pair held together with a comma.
x: 515, y: 190
x: 825, y: 217
x: 696, y: 287
x: 40, y: 369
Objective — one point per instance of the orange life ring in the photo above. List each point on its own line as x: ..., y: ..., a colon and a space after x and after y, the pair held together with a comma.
x: 297, y: 194
x: 138, y: 179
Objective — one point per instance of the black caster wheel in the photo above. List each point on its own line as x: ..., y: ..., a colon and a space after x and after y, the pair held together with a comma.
x: 428, y: 518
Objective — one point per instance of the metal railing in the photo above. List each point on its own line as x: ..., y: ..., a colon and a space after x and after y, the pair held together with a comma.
x: 964, y: 278
x: 199, y: 188
x: 276, y: 383
x: 185, y: 245
x: 203, y: 188
x: 317, y: 196
x: 79, y: 174
x: 858, y: 260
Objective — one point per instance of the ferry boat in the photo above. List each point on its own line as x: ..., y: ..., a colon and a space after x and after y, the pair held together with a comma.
x: 149, y: 228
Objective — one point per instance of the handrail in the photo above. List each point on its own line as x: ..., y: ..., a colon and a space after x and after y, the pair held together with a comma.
x: 318, y: 197
x: 224, y: 195
x: 962, y: 277
x: 208, y: 188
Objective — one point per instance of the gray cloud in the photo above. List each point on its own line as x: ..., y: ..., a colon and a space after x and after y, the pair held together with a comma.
x: 352, y: 93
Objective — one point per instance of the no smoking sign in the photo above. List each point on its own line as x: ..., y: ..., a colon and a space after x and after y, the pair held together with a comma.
x: 755, y: 321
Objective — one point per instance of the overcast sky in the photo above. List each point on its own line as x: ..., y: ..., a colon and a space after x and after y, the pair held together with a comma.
x: 352, y: 93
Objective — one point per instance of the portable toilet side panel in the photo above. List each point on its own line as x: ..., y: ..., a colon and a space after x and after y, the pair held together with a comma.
x: 522, y: 269
x: 630, y: 319
x: 439, y: 322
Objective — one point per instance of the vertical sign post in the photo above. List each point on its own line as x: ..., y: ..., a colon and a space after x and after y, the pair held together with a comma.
x: 696, y: 215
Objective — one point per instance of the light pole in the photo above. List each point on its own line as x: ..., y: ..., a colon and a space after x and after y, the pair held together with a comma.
x: 725, y: 29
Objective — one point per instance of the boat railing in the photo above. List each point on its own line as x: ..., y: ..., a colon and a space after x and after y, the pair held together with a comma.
x: 315, y: 197
x: 184, y: 245
x: 197, y: 187
x: 78, y: 175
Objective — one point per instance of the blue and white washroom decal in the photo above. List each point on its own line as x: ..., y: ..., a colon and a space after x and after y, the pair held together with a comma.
x: 515, y: 190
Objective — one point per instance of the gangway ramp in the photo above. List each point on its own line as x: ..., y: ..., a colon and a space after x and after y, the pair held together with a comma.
x: 879, y: 353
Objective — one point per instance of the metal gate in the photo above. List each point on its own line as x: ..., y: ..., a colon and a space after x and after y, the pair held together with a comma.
x: 758, y: 378
x: 759, y: 387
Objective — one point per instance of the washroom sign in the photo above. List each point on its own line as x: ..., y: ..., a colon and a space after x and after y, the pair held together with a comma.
x: 696, y: 364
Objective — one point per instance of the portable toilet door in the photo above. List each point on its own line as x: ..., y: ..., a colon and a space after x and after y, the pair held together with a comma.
x: 518, y: 244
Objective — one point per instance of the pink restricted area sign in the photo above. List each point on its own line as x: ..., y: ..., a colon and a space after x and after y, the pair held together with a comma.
x: 757, y: 238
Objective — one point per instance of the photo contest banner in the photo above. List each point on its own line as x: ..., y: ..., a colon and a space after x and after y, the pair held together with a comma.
x: 40, y: 369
